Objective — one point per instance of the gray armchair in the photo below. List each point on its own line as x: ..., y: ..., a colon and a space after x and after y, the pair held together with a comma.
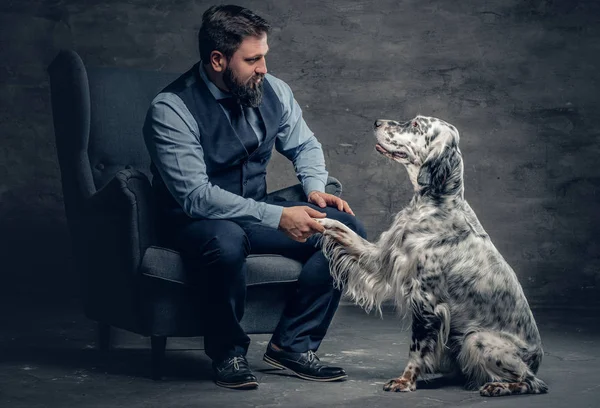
x: 128, y: 280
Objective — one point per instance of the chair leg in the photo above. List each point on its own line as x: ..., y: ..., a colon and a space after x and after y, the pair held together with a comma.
x: 159, y: 346
x: 103, y: 336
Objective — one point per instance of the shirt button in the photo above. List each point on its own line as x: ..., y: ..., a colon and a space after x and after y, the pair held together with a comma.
x: 245, y: 182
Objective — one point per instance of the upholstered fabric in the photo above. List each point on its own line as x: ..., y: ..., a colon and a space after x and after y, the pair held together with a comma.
x: 119, y: 99
x: 174, y: 299
x: 164, y: 263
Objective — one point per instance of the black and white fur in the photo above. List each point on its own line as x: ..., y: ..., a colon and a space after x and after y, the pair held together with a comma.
x: 469, y: 313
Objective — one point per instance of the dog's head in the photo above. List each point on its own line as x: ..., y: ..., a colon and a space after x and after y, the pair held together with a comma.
x: 428, y: 148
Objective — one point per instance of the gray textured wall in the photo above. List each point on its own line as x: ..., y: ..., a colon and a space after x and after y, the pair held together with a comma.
x: 519, y: 78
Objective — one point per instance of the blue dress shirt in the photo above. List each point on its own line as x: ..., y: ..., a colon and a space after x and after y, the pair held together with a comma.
x: 172, y: 137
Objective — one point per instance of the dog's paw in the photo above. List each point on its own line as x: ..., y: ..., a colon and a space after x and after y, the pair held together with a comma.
x: 495, y: 389
x: 330, y: 224
x: 399, y: 385
x: 337, y: 231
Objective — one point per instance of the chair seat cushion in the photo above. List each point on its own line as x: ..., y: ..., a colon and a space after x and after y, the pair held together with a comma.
x: 167, y: 264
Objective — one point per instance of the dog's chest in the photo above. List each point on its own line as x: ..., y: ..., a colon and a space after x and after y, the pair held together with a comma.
x: 412, y: 229
x: 418, y: 235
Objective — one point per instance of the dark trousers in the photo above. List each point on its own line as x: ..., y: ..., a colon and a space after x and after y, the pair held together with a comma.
x: 216, y: 251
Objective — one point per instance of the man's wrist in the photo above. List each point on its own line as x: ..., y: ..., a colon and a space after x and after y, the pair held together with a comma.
x: 312, y: 185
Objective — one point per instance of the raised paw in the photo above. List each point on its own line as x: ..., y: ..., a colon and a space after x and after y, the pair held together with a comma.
x: 337, y: 231
x: 399, y: 385
x: 494, y: 389
x: 330, y: 223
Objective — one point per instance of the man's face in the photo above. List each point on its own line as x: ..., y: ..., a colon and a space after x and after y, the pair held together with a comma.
x: 245, y: 71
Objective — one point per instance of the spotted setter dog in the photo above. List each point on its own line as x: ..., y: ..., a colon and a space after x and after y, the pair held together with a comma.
x: 436, y: 262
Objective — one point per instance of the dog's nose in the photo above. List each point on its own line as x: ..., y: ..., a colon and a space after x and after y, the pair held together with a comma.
x: 378, y: 123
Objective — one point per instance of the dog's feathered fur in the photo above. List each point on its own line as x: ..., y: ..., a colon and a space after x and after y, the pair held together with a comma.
x: 469, y: 313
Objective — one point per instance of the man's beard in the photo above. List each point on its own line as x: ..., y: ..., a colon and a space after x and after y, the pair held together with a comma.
x: 247, y: 94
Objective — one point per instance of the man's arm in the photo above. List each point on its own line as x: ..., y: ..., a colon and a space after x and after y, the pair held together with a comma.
x: 298, y: 143
x: 172, y: 138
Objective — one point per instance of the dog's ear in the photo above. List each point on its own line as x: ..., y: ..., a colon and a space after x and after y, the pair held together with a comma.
x: 424, y: 177
x: 441, y: 172
x: 435, y: 171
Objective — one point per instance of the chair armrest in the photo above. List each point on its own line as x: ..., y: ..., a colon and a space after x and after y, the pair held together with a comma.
x: 296, y: 192
x: 119, y: 220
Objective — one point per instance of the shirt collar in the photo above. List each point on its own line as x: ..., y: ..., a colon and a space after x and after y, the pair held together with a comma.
x: 214, y: 90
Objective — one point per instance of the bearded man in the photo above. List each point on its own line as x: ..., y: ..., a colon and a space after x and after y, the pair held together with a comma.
x: 210, y: 135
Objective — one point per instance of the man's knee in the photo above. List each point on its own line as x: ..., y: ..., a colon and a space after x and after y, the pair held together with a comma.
x: 358, y: 227
x: 228, y: 248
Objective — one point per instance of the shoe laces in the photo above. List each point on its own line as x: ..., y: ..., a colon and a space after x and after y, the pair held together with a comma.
x: 312, y: 356
x: 236, y: 362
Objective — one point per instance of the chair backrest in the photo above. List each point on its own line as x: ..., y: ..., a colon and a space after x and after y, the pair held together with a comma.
x: 119, y: 100
x: 98, y: 115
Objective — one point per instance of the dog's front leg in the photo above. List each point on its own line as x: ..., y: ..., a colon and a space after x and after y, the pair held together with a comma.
x: 424, y: 349
x: 353, y: 243
x: 355, y: 265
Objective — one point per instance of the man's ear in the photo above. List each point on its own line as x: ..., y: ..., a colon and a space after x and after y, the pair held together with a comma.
x: 218, y: 62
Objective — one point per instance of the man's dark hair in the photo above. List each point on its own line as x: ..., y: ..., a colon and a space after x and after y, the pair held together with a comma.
x: 224, y: 27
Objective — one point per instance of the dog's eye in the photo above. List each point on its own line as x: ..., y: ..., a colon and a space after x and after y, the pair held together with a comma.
x: 415, y: 124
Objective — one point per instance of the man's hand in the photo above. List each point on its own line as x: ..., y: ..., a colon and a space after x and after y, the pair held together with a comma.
x: 323, y: 200
x: 298, y: 223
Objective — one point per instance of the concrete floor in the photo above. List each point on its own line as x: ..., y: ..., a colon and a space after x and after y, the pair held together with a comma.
x: 48, y: 359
